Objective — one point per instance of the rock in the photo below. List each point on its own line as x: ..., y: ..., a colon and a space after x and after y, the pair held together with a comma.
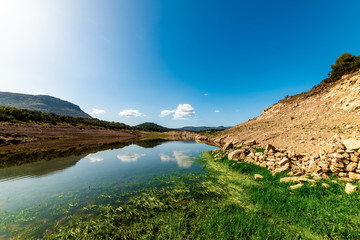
x: 283, y: 168
x: 250, y: 143
x: 258, y: 176
x: 351, y: 167
x: 354, y: 158
x: 325, y: 177
x: 284, y: 161
x: 352, y: 143
x: 345, y: 179
x: 289, y: 179
x: 349, y: 188
x: 237, y: 154
x: 270, y: 147
x: 325, y: 185
x: 299, y: 185
x: 227, y: 146
x: 353, y: 175
x: 343, y: 174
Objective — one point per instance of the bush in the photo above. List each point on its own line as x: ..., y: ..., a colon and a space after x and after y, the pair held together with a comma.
x: 346, y: 63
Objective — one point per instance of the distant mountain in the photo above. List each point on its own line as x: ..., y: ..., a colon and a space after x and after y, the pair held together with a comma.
x: 150, y: 126
x: 42, y: 103
x: 202, y: 128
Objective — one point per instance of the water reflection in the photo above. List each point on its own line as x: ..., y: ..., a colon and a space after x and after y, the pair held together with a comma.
x: 30, y: 184
x: 93, y: 158
x: 183, y: 160
x: 127, y: 157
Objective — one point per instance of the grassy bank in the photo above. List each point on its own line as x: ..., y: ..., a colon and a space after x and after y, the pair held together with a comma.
x: 224, y: 203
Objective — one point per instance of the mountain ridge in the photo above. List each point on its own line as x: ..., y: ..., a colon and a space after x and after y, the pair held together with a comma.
x: 42, y: 103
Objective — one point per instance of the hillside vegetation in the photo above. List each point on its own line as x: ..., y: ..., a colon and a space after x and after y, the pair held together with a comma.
x: 13, y: 115
x: 153, y: 127
x: 41, y: 103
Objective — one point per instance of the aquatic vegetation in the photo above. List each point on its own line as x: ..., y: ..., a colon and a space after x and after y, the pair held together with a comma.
x: 223, y: 203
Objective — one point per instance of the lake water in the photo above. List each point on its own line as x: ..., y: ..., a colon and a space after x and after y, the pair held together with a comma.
x: 78, y: 181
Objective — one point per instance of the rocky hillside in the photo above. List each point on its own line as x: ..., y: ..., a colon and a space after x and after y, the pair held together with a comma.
x: 307, y: 122
x: 41, y: 103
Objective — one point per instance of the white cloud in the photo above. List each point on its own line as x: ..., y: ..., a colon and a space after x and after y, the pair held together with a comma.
x: 96, y: 111
x: 94, y: 158
x: 131, y: 113
x: 217, y: 111
x: 166, y: 113
x: 182, y: 112
x: 205, y: 94
x: 183, y: 160
x: 129, y: 157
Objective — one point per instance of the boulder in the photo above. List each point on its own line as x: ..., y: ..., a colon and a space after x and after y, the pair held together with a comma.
x: 284, y: 161
x: 353, y: 175
x: 227, y: 146
x: 270, y: 147
x: 299, y: 185
x: 352, y: 143
x: 237, y: 154
x: 349, y: 188
x: 283, y: 168
x: 289, y: 179
x: 351, y: 167
x: 250, y: 143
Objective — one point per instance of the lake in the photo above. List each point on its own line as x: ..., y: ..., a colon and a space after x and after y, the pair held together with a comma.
x: 43, y: 192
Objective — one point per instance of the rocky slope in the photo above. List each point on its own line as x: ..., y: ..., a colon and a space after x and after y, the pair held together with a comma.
x: 310, y: 133
x: 307, y: 122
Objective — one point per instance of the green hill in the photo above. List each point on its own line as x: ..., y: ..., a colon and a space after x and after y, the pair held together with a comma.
x: 14, y: 115
x: 41, y: 103
x: 150, y: 126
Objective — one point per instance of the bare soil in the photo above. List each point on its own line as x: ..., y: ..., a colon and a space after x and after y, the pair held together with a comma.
x: 309, y: 122
x: 15, y: 138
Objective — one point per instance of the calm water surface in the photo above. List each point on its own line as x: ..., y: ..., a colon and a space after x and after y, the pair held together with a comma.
x: 82, y: 176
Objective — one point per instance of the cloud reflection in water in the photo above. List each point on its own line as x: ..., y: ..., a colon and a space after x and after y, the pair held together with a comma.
x: 94, y: 158
x: 183, y: 160
x: 127, y: 157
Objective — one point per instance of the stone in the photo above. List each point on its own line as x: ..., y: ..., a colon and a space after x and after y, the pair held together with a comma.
x: 352, y: 143
x: 353, y: 175
x: 282, y: 169
x: 227, y: 146
x: 236, y: 155
x: 289, y: 179
x: 345, y: 179
x: 284, y: 161
x: 299, y: 185
x: 351, y: 167
x: 350, y: 188
x: 325, y: 185
x: 343, y: 174
x: 325, y: 177
x: 250, y: 143
x: 258, y: 176
x: 354, y: 158
x: 270, y: 147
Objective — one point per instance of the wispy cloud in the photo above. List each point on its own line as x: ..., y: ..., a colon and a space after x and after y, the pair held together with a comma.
x: 96, y: 111
x: 182, y: 112
x: 217, y: 111
x: 181, y: 158
x: 129, y: 157
x: 205, y: 94
x: 131, y: 113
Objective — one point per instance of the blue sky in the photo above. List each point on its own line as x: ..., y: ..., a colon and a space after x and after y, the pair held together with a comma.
x: 173, y: 62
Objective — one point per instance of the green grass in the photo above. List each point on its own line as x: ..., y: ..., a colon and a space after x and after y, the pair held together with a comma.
x: 225, y: 203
